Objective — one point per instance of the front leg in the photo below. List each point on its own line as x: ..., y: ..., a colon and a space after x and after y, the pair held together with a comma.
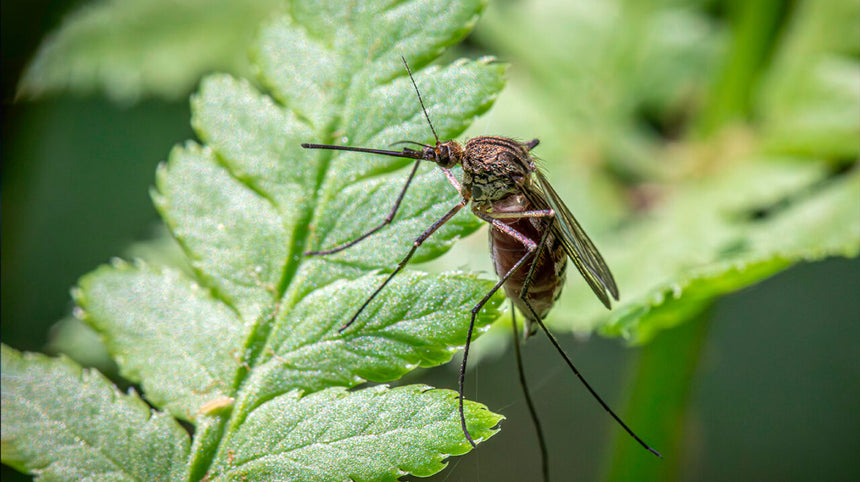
x: 415, y: 245
x: 385, y: 222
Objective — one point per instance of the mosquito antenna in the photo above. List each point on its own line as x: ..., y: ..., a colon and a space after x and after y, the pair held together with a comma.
x: 420, y: 100
x: 410, y: 142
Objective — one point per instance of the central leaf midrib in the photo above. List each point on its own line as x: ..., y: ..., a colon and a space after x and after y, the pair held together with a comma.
x: 258, y: 337
x: 302, y: 235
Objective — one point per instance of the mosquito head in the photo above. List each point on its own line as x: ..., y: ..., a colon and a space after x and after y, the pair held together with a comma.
x: 445, y: 154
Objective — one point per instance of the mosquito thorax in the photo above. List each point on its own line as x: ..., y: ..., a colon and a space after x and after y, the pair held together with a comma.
x: 495, y: 168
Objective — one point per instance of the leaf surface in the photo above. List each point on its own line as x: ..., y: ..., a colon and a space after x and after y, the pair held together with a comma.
x: 372, y: 434
x: 61, y: 422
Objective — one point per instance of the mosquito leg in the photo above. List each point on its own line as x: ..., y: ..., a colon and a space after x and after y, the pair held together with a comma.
x: 587, y: 386
x: 452, y: 179
x: 531, y: 247
x: 528, y: 280
x: 475, y: 311
x: 493, y: 218
x: 524, y: 297
x: 532, y: 144
x: 529, y: 330
x: 384, y: 223
x: 415, y: 245
x: 532, y: 411
x: 541, y: 213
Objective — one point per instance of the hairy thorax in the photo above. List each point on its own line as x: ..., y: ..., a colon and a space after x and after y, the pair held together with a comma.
x: 494, y: 168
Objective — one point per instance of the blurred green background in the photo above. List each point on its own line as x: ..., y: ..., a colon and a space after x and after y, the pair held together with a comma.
x: 761, y: 386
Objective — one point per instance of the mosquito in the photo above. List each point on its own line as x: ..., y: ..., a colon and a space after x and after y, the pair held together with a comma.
x: 532, y: 235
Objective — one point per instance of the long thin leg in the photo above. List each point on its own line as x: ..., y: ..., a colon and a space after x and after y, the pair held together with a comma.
x: 528, y: 328
x: 524, y: 297
x: 452, y: 179
x: 462, y: 381
x: 540, y: 213
x: 415, y: 245
x: 544, y: 457
x: 584, y: 382
x: 531, y: 247
x: 494, y: 219
x: 521, y: 372
x: 384, y: 223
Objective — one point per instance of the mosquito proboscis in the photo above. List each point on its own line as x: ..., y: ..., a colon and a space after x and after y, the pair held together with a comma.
x: 532, y: 235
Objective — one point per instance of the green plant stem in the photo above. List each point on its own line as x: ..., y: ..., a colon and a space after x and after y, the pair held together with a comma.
x: 755, y: 25
x: 658, y: 401
x: 207, y: 435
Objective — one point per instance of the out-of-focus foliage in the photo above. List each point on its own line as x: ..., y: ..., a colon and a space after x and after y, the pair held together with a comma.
x: 809, y: 98
x: 134, y: 49
x: 618, y: 92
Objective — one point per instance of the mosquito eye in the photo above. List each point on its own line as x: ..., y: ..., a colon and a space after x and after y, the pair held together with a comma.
x: 443, y: 157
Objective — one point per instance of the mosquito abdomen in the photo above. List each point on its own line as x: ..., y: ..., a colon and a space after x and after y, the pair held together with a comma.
x: 548, y: 277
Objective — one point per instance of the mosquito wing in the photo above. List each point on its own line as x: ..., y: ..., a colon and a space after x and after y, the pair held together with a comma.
x: 576, y: 243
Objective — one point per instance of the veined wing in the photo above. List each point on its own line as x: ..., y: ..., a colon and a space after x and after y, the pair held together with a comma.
x: 576, y: 243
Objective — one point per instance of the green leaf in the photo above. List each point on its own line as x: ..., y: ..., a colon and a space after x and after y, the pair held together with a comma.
x: 788, y: 212
x: 144, y: 48
x: 61, y: 422
x: 164, y: 331
x: 373, y: 434
x: 247, y: 344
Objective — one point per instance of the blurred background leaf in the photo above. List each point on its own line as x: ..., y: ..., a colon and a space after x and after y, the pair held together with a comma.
x: 128, y: 50
x: 705, y: 145
x: 644, y: 109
